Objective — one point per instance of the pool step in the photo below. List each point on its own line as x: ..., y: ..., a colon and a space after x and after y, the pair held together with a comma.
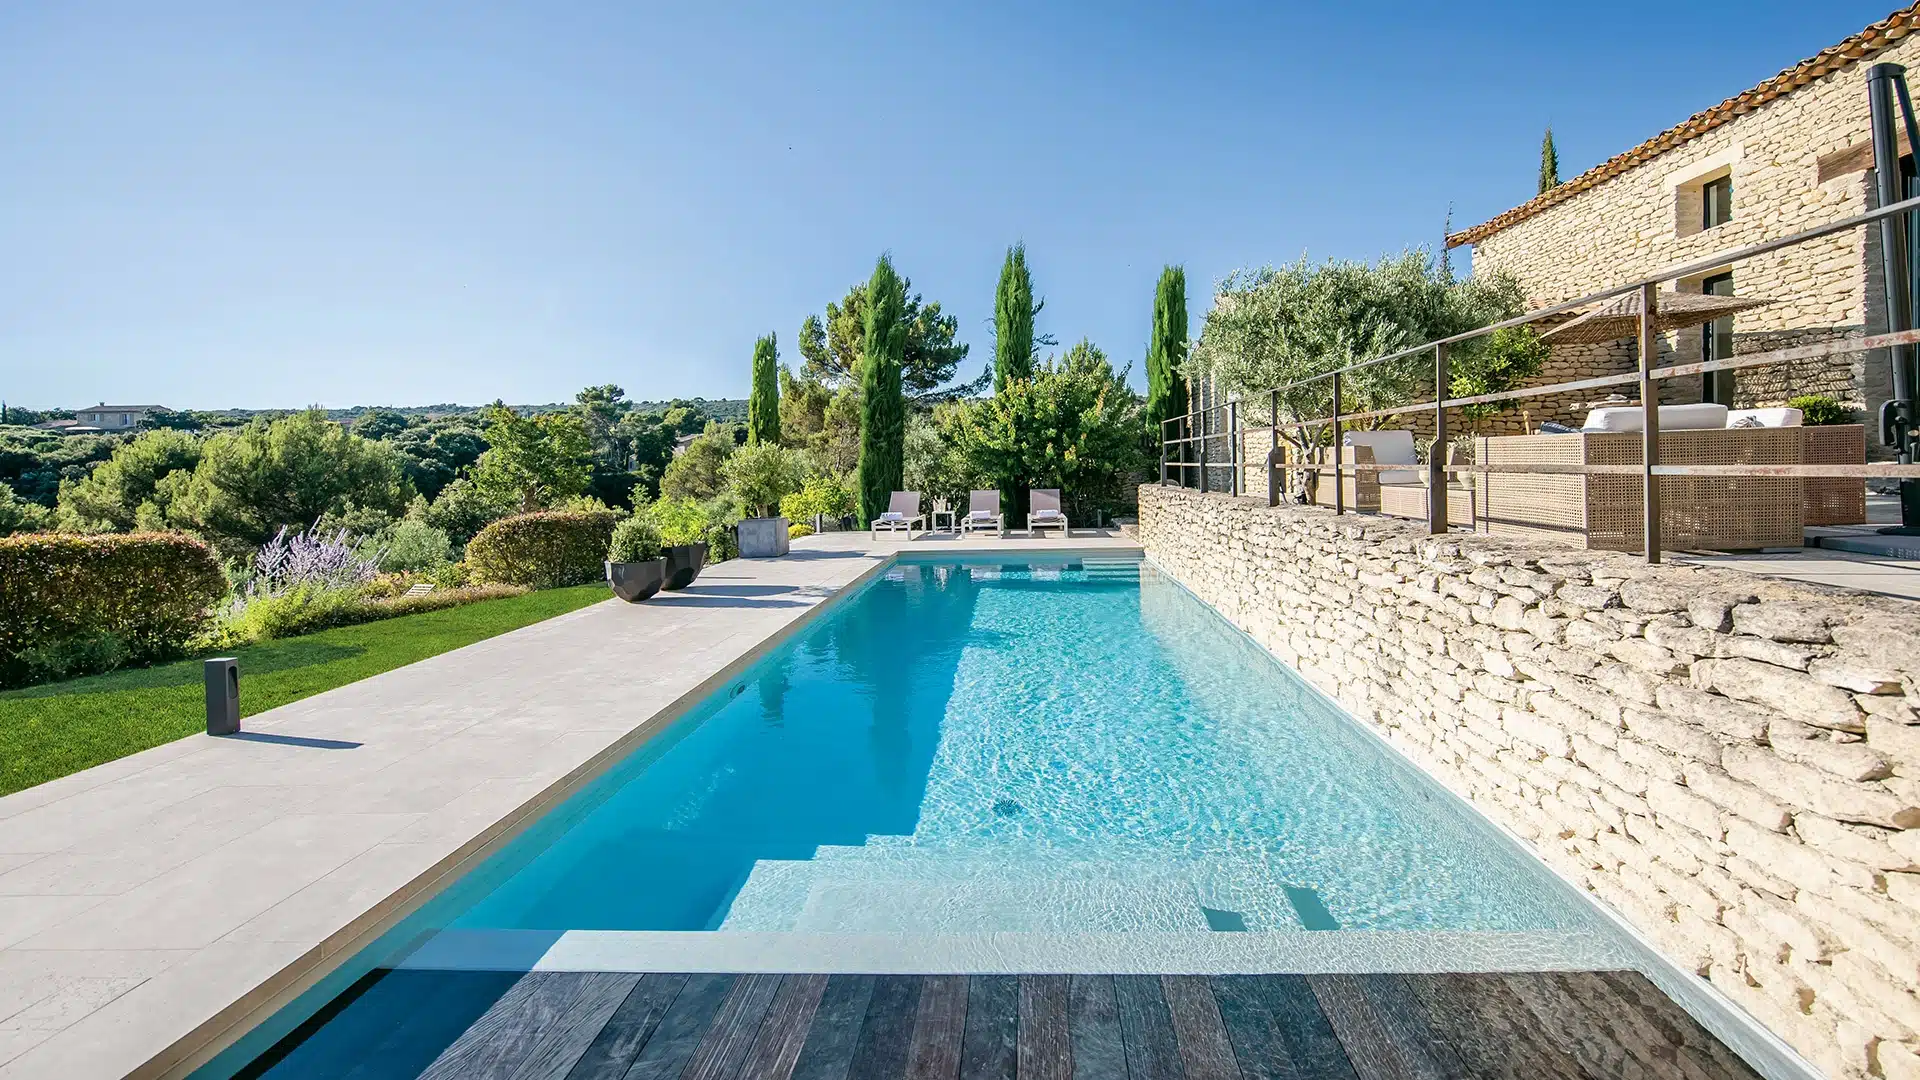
x: 936, y: 893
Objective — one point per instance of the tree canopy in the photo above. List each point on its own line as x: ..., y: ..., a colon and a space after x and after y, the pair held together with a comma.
x: 763, y: 403
x: 534, y: 462
x: 126, y: 491
x: 833, y: 347
x: 1167, y: 350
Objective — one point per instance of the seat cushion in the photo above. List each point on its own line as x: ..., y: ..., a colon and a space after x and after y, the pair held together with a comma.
x: 1399, y: 476
x: 1765, y: 418
x: 1699, y: 417
x: 1390, y: 446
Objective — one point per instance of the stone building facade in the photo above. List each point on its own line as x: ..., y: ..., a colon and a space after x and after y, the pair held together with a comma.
x: 1794, y: 150
x: 1729, y: 762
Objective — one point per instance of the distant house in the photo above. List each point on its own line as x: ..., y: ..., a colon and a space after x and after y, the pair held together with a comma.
x: 1788, y: 154
x: 110, y: 419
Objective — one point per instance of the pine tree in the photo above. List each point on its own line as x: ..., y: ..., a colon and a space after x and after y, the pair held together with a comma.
x: 883, y: 409
x: 1013, y: 344
x: 763, y: 403
x: 1549, y: 164
x: 1167, y: 351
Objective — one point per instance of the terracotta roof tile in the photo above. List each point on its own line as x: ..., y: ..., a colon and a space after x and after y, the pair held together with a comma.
x: 1860, y: 46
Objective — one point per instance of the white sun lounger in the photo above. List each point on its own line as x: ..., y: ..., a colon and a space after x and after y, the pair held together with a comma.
x: 983, y: 512
x: 1045, y: 512
x: 903, y: 512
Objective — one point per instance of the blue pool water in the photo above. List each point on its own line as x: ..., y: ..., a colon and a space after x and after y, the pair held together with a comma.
x: 1061, y: 746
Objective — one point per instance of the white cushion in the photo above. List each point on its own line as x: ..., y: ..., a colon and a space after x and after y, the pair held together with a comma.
x: 1401, y: 477
x: 1390, y: 447
x: 1672, y: 418
x: 892, y: 515
x: 1765, y: 417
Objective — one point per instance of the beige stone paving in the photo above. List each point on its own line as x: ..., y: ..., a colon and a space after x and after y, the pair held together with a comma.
x: 151, y: 906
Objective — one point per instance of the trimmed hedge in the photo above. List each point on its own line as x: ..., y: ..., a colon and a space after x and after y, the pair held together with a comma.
x: 71, y: 605
x: 543, y: 550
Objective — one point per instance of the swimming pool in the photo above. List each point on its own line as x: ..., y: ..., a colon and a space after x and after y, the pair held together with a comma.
x: 1070, y: 758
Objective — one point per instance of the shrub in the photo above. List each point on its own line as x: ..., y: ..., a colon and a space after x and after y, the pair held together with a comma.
x: 722, y: 543
x: 1820, y: 409
x: 826, y: 495
x: 310, y: 557
x: 74, y: 604
x: 797, y: 530
x: 680, y: 520
x: 634, y: 540
x: 452, y: 575
x: 414, y: 545
x: 312, y: 608
x: 542, y: 550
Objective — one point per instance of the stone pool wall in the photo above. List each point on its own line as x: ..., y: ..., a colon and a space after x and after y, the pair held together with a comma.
x: 1732, y: 763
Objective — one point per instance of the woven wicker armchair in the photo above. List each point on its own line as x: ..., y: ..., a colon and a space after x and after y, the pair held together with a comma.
x: 1410, y: 500
x: 1604, y: 511
x: 1835, y: 500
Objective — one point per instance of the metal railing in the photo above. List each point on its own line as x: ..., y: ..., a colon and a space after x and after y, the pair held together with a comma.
x: 1177, y: 432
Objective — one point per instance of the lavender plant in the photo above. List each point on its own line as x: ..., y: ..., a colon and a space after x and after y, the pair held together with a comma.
x: 313, y: 558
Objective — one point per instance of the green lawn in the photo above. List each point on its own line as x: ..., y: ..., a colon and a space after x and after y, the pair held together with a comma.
x: 50, y: 731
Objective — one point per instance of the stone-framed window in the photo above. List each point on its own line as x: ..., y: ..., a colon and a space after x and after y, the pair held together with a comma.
x: 1703, y: 203
x: 1716, y: 202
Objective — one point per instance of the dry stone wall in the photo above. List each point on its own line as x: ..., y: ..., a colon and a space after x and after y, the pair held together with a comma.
x: 1732, y: 763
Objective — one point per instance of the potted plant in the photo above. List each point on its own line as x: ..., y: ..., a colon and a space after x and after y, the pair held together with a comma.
x: 635, y: 567
x: 683, y: 534
x: 759, y: 476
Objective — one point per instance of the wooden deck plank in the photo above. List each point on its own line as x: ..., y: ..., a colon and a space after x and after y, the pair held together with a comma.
x: 500, y: 1041
x: 1099, y: 1050
x: 777, y: 1048
x: 1714, y: 1057
x: 1375, y: 1047
x: 563, y: 1044
x: 887, y: 1031
x: 835, y: 1034
x: 682, y: 1028
x: 614, y: 1049
x: 339, y: 1036
x: 993, y: 1028
x: 1198, y: 1032
x: 1146, y: 1028
x: 1044, y: 1046
x: 735, y: 1027
x: 939, y: 1029
x: 1493, y: 1032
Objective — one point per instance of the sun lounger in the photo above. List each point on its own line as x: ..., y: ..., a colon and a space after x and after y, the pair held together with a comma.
x: 983, y: 512
x: 1045, y: 512
x: 903, y: 512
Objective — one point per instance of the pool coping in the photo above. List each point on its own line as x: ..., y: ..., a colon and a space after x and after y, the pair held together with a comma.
x: 273, y: 834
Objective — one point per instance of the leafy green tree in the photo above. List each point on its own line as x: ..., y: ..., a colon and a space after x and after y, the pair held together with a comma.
x: 763, y: 405
x: 1073, y: 424
x: 696, y: 472
x: 832, y: 348
x: 1508, y: 358
x: 462, y: 509
x: 33, y: 462
x: 20, y: 516
x: 759, y: 475
x: 822, y: 495
x: 882, y: 406
x: 1549, y: 164
x: 534, y: 462
x: 171, y: 418
x: 379, y: 424
x: 436, y: 451
x: 935, y: 465
x: 125, y: 491
x: 600, y: 409
x: 286, y: 472
x: 1167, y: 351
x: 1275, y: 327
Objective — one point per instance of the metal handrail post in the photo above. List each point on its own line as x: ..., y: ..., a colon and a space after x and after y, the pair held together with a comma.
x: 1339, y: 480
x: 1233, y: 442
x: 1437, y: 457
x: 1163, y: 452
x: 1649, y: 418
x: 1273, y: 447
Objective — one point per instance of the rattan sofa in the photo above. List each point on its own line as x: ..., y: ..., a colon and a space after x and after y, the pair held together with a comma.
x: 1603, y: 511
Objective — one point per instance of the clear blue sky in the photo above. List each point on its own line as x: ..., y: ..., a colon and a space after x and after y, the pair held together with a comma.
x: 267, y: 204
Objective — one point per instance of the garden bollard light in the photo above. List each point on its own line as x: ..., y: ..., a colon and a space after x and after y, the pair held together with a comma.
x: 223, y: 696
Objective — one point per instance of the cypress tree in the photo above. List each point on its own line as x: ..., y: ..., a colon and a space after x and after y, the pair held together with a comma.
x: 1013, y: 310
x: 1167, y: 350
x: 763, y: 403
x: 1013, y: 321
x: 883, y: 409
x: 1549, y: 164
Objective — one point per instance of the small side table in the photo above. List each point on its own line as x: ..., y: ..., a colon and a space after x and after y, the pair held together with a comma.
x: 934, y: 516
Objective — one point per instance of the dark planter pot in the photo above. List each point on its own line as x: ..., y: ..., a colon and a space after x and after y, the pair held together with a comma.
x: 635, y: 581
x: 684, y: 562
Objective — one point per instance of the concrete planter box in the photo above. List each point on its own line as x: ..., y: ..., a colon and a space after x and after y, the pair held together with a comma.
x: 763, y: 538
x: 684, y: 562
x: 635, y: 581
